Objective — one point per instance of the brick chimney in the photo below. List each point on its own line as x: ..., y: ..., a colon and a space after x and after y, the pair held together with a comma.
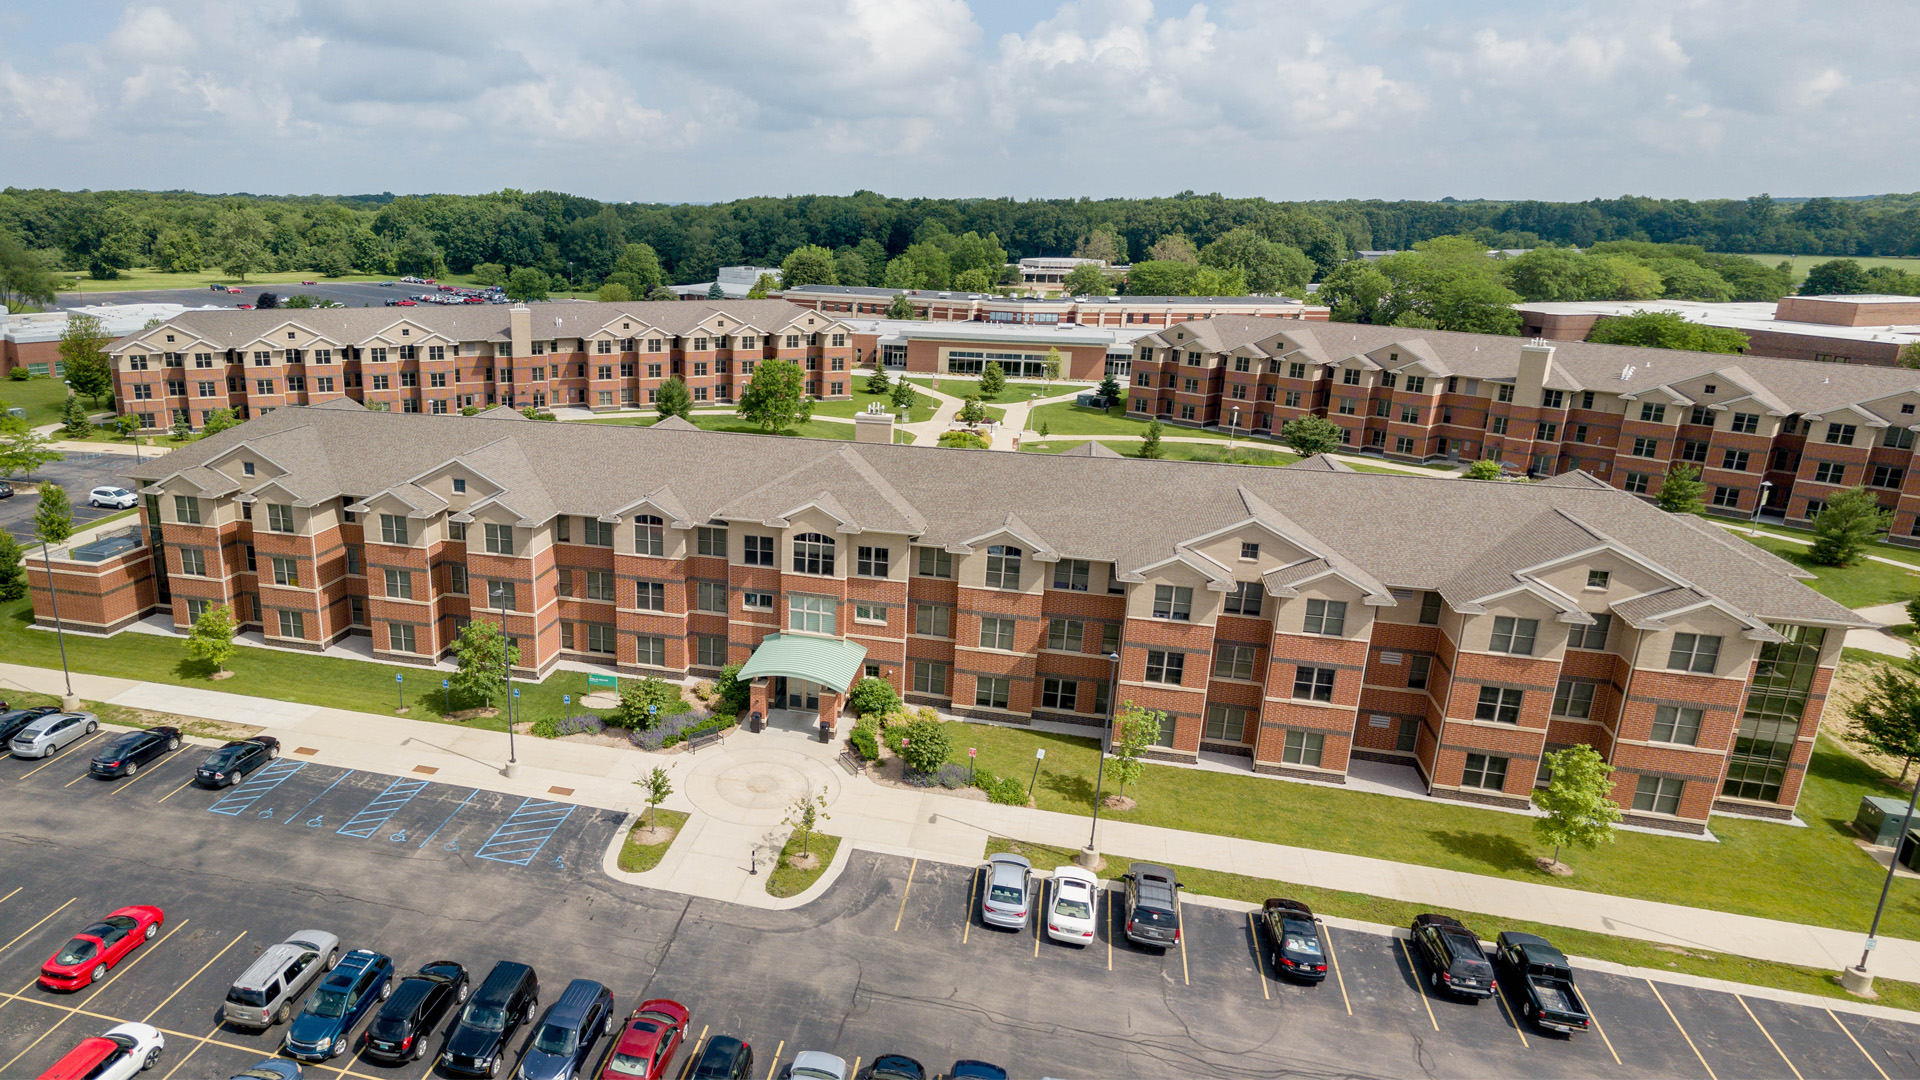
x: 520, y: 329
x: 1536, y: 357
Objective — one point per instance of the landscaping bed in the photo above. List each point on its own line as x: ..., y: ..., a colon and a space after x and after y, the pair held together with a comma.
x: 644, y: 847
x: 785, y: 880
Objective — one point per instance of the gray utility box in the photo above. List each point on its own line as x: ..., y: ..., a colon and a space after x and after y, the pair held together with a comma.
x: 1882, y: 821
x: 1093, y: 401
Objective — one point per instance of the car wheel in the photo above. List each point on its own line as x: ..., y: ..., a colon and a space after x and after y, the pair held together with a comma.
x: 285, y: 1010
x: 155, y: 927
x: 420, y: 1049
x: 386, y: 990
x: 272, y: 752
x: 332, y: 959
x: 462, y: 996
x: 132, y: 767
x: 1433, y: 979
x: 92, y: 726
x: 173, y: 742
x: 493, y: 1069
x: 98, y: 971
x: 153, y: 1058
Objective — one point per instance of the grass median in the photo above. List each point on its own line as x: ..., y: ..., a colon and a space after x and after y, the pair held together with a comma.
x: 784, y: 880
x: 637, y: 857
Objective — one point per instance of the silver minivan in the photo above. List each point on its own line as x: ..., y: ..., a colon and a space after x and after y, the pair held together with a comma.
x: 265, y: 993
x: 52, y: 733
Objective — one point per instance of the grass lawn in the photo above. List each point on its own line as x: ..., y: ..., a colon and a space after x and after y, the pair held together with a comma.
x: 784, y: 880
x: 1170, y: 451
x: 1813, y: 875
x: 1802, y: 263
x: 923, y: 406
x: 1582, y: 943
x: 636, y: 858
x: 42, y: 397
x: 1016, y: 390
x: 812, y: 429
x: 1878, y: 547
x: 1862, y: 585
x: 1066, y: 418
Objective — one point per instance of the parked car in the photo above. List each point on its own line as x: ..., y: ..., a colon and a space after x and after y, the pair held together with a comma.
x: 6, y: 490
x: 1293, y: 940
x: 1075, y: 904
x: 895, y: 1067
x: 113, y: 498
x: 324, y: 1029
x: 1004, y: 899
x: 1453, y: 957
x: 817, y: 1065
x: 1539, y: 974
x: 648, y: 1040
x: 725, y: 1058
x: 577, y: 1018
x: 274, y: 1068
x: 124, y: 754
x: 264, y: 993
x: 405, y: 1024
x: 1153, y: 906
x: 52, y: 733
x: 968, y: 1069
x: 125, y: 1051
x: 505, y: 999
x: 231, y: 763
x: 13, y: 720
x: 92, y: 952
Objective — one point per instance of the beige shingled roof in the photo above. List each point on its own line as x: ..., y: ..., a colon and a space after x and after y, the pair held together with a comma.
x: 1411, y: 532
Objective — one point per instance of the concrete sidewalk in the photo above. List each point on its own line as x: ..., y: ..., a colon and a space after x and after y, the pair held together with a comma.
x: 738, y: 792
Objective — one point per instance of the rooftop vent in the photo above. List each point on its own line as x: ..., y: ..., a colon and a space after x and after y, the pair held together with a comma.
x: 1626, y: 373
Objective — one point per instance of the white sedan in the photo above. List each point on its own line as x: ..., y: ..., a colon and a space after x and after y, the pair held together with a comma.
x: 125, y: 1051
x: 1075, y: 898
x: 113, y: 498
x: 816, y: 1065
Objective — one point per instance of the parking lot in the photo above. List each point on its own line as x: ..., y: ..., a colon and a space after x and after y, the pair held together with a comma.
x: 891, y: 959
x: 79, y: 474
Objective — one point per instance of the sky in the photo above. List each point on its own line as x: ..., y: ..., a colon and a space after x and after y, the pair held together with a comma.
x: 672, y: 101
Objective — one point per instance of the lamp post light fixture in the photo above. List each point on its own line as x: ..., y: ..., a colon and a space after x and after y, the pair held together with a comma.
x: 506, y: 668
x: 1856, y: 979
x: 1233, y: 427
x: 1753, y: 523
x: 1089, y: 856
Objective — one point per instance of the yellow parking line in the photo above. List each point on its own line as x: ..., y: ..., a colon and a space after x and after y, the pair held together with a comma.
x: 1857, y: 1046
x: 687, y: 1069
x: 15, y: 996
x: 1769, y: 1035
x: 856, y: 1066
x: 9, y: 896
x: 118, y: 788
x: 77, y: 779
x: 903, y: 896
x: 1109, y: 929
x: 163, y: 1001
x: 1603, y: 1034
x: 1326, y: 942
x: 973, y: 890
x: 1039, y: 917
x: 1259, y: 968
x: 35, y: 926
x: 101, y: 989
x: 1415, y: 972
x: 57, y: 756
x: 775, y: 1063
x: 1683, y: 1030
x: 1182, y: 942
x: 1507, y: 1010
x: 192, y: 1051
x: 174, y: 792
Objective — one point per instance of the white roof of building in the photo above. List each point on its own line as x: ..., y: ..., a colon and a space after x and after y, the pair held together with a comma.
x: 1041, y: 334
x: 1755, y: 316
x: 117, y: 319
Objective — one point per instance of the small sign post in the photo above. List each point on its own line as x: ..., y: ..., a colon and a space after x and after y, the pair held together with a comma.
x: 611, y: 682
x: 971, y: 754
x: 400, y: 687
x: 446, y: 696
x: 1039, y: 756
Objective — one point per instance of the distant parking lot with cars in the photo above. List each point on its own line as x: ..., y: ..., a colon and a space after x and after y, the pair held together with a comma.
x: 350, y: 293
x: 893, y: 959
x: 79, y: 473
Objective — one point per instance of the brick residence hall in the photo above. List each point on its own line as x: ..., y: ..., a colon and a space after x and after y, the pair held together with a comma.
x: 1299, y: 617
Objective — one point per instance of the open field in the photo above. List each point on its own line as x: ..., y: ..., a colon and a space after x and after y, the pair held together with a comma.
x: 1801, y: 263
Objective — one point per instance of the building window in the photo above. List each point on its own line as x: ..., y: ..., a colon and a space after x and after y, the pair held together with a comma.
x: 600, y: 638
x: 1500, y: 704
x: 1313, y: 683
x: 1658, y: 794
x: 1694, y: 652
x: 1573, y: 699
x: 1693, y: 450
x: 1059, y: 694
x: 1735, y: 460
x: 600, y: 585
x: 1513, y: 636
x: 811, y: 614
x: 933, y: 620
x: 1645, y: 447
x: 596, y: 532
x: 650, y: 596
x: 1065, y: 635
x: 1829, y: 472
x: 1483, y: 771
x: 929, y: 678
x: 399, y: 585
x: 996, y: 633
x: 1430, y: 609
x: 457, y: 579
x: 1233, y: 661
x: 871, y: 562
x: 499, y: 539
x: 1887, y: 476
x: 279, y: 518
x: 292, y: 625
x: 1173, y: 602
x: 1745, y: 423
x: 1841, y: 434
x: 1419, y: 669
x: 500, y: 595
x: 935, y: 563
x: 186, y: 509
x: 400, y: 638
x: 1636, y: 483
x: 1652, y: 413
x: 710, y: 596
x: 1726, y: 497
x: 1326, y: 617
x: 1303, y: 748
x: 1590, y: 637
x: 193, y: 562
x: 1225, y: 723
x: 393, y: 529
x: 1165, y: 667
x: 710, y: 541
x: 1003, y: 567
x: 1072, y: 575
x: 813, y: 554
x: 991, y: 693
x: 195, y: 609
x: 759, y: 551
x: 1676, y: 724
x: 757, y: 601
x: 1246, y: 598
x: 650, y: 650
x: 869, y: 613
x: 650, y: 536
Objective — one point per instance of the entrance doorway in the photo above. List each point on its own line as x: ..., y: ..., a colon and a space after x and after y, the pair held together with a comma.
x: 795, y: 694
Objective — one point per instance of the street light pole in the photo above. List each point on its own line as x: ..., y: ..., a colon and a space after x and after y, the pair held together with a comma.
x: 1856, y: 979
x: 1753, y: 523
x: 1090, y: 855
x: 506, y: 668
x: 70, y: 702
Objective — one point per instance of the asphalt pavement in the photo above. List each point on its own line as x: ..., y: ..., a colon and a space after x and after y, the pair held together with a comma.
x: 350, y: 293
x: 79, y: 473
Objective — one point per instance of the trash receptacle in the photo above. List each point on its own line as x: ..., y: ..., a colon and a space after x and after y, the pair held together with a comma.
x: 755, y: 722
x: 826, y: 730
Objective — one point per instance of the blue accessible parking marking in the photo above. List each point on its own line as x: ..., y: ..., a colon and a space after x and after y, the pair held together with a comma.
x: 375, y: 814
x: 450, y: 817
x: 240, y: 799
x: 525, y: 832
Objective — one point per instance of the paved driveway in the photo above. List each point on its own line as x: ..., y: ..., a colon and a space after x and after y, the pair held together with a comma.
x: 79, y: 474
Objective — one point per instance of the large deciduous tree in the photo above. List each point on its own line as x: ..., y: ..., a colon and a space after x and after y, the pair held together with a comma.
x: 1310, y: 435
x: 776, y: 397
x: 1888, y: 711
x: 1577, y: 801
x: 809, y: 265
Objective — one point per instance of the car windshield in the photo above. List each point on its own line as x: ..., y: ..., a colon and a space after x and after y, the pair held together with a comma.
x: 78, y: 951
x: 629, y: 1064
x: 223, y: 756
x: 554, y: 1039
x: 1150, y: 917
x: 817, y: 1074
x: 122, y: 744
x: 1072, y: 907
x: 1006, y: 894
x: 331, y: 1004
x: 1297, y: 942
x: 485, y: 1017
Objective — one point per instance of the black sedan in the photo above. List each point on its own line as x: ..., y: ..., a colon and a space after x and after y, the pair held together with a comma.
x: 226, y: 766
x: 1293, y: 940
x: 894, y: 1067
x: 406, y: 1023
x: 15, y: 721
x: 126, y: 753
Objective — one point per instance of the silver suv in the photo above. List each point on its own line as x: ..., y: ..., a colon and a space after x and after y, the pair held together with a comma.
x: 52, y: 733
x: 265, y: 993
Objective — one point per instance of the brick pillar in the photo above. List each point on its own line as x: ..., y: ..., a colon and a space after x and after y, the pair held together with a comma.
x: 761, y: 688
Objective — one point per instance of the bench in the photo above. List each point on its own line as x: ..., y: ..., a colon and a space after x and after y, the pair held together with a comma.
x: 705, y: 738
x: 852, y: 762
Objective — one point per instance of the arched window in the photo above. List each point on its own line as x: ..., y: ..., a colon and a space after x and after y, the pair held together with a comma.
x: 1003, y: 567
x: 812, y: 554
x: 649, y: 535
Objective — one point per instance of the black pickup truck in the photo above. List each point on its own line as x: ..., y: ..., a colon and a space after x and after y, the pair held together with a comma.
x: 1539, y: 975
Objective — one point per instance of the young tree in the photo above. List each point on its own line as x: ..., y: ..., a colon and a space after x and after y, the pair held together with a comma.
x: 1150, y: 446
x: 1682, y: 493
x: 1889, y: 711
x: 211, y: 639
x: 1050, y: 365
x: 645, y: 703
x: 53, y: 518
x: 926, y: 746
x: 1110, y: 389
x: 1843, y: 529
x: 266, y: 301
x: 22, y: 450
x: 809, y: 265
x: 479, y: 671
x: 73, y: 417
x: 878, y: 383
x: 1134, y: 730
x: 1484, y: 469
x: 776, y: 397
x: 731, y: 696
x: 218, y: 421
x: 13, y: 574
x: 1909, y: 355
x: 904, y: 395
x: 660, y: 292
x: 1087, y: 280
x: 83, y: 356
x: 658, y: 787
x: 674, y: 399
x: 126, y: 424
x: 715, y: 292
x: 804, y: 816
x: 488, y: 274
x: 901, y: 308
x: 971, y: 411
x: 613, y: 292
x: 1913, y: 611
x: 763, y: 286
x: 1310, y: 435
x: 526, y: 283
x: 993, y: 380
x: 1577, y: 801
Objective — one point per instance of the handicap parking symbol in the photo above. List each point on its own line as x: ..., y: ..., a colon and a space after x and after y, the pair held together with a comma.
x: 315, y: 823
x: 399, y: 837
x: 267, y: 813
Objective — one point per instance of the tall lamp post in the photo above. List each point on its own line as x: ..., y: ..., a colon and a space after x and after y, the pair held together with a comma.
x: 1753, y: 524
x: 1089, y: 856
x: 1856, y: 979
x: 506, y: 668
x: 1233, y: 427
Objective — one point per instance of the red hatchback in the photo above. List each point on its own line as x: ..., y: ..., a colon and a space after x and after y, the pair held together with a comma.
x: 646, y: 1044
x: 94, y: 950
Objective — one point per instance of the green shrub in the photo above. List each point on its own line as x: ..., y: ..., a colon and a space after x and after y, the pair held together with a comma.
x: 865, y: 743
x: 926, y: 744
x: 20, y: 374
x: 546, y: 729
x: 1004, y: 790
x: 873, y: 697
x: 730, y: 695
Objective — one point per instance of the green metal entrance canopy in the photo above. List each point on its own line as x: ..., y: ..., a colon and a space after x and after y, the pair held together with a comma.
x: 831, y: 662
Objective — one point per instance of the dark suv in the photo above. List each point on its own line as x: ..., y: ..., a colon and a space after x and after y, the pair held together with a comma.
x: 1153, y: 906
x: 1455, y: 962
x: 573, y: 1023
x: 725, y: 1058
x: 325, y: 1027
x: 496, y: 1010
x: 410, y: 1017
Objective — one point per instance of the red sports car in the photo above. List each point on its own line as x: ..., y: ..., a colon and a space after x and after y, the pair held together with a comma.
x: 93, y: 951
x: 646, y: 1044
